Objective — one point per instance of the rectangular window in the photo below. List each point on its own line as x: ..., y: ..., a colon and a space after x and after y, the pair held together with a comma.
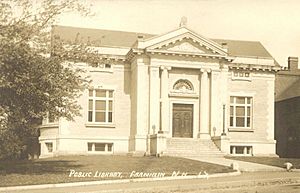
x: 241, y: 150
x: 49, y: 147
x: 100, y: 108
x: 90, y: 146
x: 240, y: 112
x: 50, y: 119
x: 241, y: 75
x: 102, y: 147
x: 109, y: 147
x: 102, y: 65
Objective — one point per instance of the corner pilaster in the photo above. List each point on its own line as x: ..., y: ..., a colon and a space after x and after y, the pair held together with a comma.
x: 204, y: 104
x: 154, y: 105
x: 164, y: 98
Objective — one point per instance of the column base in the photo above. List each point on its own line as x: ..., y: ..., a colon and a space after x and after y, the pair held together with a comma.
x: 204, y: 136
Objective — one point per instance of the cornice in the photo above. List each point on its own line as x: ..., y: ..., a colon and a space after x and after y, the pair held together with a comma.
x: 188, y: 54
x: 251, y: 67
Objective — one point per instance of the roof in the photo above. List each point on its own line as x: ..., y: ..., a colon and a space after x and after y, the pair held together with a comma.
x: 245, y: 48
x: 287, y: 84
x: 100, y: 37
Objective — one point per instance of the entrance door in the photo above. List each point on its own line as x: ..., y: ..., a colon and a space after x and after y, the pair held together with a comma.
x: 183, y: 120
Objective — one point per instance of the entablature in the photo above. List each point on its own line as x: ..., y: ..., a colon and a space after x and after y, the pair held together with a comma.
x: 251, y: 67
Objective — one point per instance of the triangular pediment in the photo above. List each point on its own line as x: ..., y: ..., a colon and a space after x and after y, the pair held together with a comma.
x: 182, y: 40
x: 184, y: 47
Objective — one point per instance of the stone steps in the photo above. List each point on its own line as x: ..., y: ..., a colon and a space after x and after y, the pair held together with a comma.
x: 184, y: 147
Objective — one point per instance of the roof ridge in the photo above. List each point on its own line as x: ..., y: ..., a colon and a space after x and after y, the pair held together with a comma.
x: 113, y: 30
x: 86, y: 28
x: 256, y: 41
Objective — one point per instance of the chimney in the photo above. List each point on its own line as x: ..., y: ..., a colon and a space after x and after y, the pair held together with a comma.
x: 293, y: 63
x: 224, y: 46
x: 140, y: 37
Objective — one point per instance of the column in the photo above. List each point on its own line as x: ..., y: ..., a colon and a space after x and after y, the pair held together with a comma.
x: 164, y: 98
x: 140, y: 105
x: 141, y: 96
x: 224, y: 97
x: 204, y: 105
x: 154, y: 106
x: 215, y: 103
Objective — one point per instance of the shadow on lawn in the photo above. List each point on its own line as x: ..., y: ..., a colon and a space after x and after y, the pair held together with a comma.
x: 37, y: 167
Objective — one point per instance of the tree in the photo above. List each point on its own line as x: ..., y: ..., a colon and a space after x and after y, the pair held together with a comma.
x: 34, y: 82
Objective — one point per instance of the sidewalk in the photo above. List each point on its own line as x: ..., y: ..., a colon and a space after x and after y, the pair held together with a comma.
x: 243, y: 166
x: 248, y: 179
x: 112, y: 182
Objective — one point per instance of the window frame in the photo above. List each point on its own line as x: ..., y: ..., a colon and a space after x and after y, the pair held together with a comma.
x: 247, y: 150
x: 234, y: 116
x: 108, y: 147
x: 50, y: 120
x: 241, y: 75
x: 49, y: 147
x: 107, y: 99
x: 104, y: 67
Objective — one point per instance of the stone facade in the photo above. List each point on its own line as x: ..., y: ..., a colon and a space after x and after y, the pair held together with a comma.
x: 178, y: 91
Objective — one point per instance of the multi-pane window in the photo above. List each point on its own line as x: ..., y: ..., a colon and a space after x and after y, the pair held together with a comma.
x: 49, y: 146
x: 100, y: 108
x: 102, y: 65
x: 240, y: 111
x: 102, y: 147
x: 242, y: 150
x: 51, y: 118
x: 240, y: 75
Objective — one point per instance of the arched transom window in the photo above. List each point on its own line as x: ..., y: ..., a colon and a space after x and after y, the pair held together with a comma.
x: 183, y: 85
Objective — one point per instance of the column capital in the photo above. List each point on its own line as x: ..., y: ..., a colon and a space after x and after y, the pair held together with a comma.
x: 165, y: 67
x: 154, y: 67
x: 202, y: 70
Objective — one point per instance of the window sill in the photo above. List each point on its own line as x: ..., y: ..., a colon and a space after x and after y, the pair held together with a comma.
x: 96, y: 69
x: 240, y: 155
x: 241, y: 79
x: 49, y: 125
x: 100, y: 152
x: 104, y: 125
x: 235, y: 129
x: 183, y: 94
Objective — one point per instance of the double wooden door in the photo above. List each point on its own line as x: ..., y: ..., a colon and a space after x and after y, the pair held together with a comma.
x: 183, y: 120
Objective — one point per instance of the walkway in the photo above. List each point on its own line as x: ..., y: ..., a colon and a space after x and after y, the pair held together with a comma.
x: 252, y: 180
x: 243, y: 166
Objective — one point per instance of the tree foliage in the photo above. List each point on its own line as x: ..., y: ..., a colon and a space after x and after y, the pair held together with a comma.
x: 33, y: 82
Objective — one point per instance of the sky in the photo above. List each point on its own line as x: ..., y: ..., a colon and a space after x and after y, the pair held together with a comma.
x: 275, y: 23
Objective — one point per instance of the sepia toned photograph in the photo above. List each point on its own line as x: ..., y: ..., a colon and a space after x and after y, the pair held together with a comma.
x: 149, y: 96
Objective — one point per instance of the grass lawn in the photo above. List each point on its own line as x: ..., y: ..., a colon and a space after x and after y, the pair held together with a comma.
x: 57, y: 170
x: 272, y: 161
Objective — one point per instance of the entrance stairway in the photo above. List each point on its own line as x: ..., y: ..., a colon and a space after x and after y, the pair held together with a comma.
x: 188, y: 147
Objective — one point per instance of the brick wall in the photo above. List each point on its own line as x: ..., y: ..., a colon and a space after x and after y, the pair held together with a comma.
x: 287, y: 127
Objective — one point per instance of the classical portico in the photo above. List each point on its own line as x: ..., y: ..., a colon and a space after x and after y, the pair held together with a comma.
x: 183, y: 85
x: 181, y: 104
